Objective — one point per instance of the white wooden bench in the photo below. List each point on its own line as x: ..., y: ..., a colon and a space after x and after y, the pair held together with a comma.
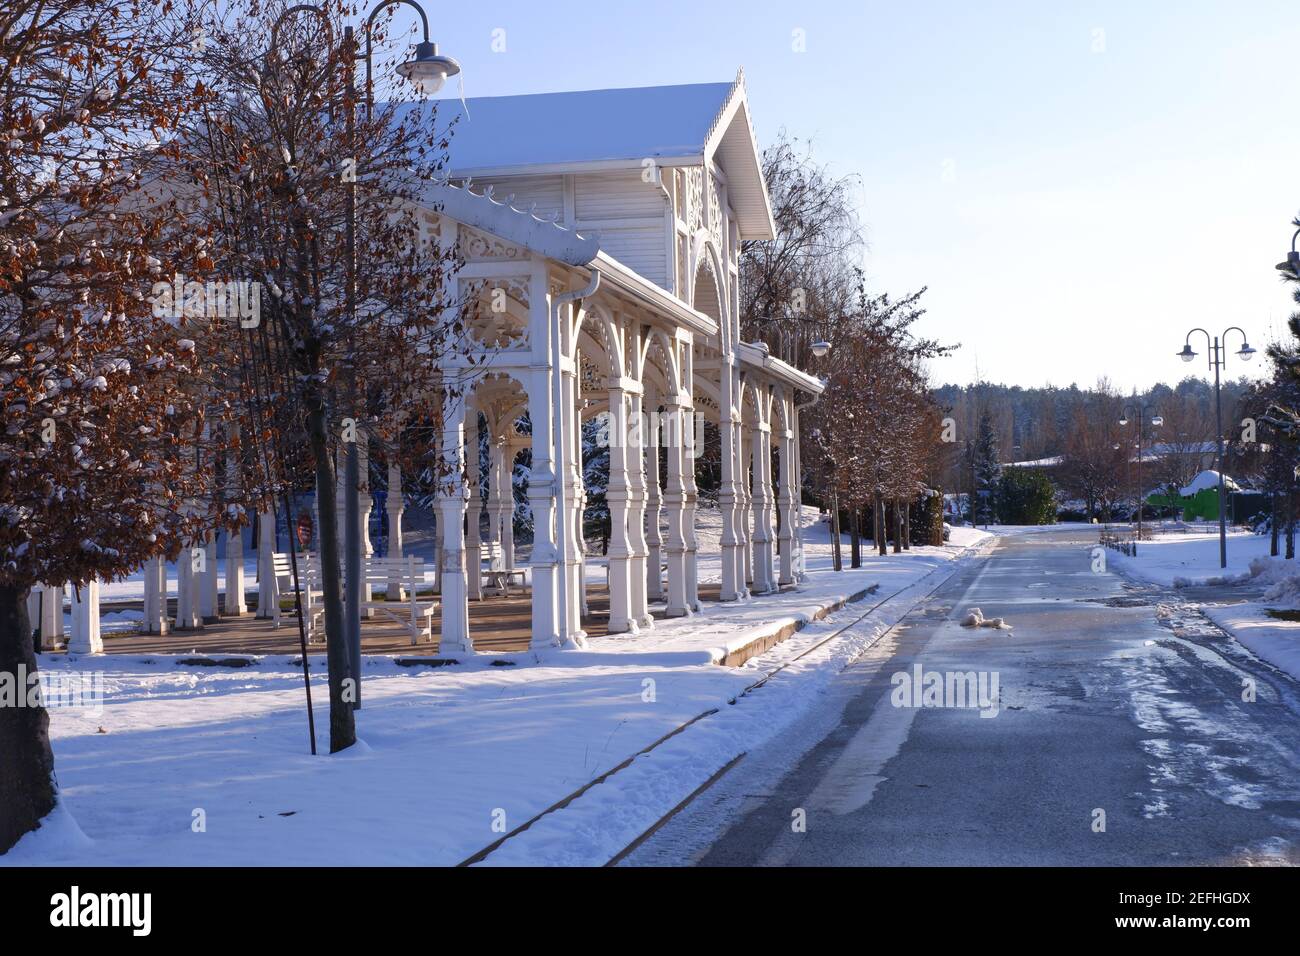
x: 498, y: 577
x: 412, y: 613
x: 313, y: 594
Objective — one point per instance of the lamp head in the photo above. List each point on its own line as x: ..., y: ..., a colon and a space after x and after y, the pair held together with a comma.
x: 820, y: 348
x: 1245, y: 353
x: 1187, y: 354
x: 428, y: 70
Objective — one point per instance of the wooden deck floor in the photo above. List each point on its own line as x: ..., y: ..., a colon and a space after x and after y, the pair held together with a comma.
x: 496, y: 624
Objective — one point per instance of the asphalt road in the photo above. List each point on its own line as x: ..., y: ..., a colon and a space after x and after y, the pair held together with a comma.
x: 1108, y: 703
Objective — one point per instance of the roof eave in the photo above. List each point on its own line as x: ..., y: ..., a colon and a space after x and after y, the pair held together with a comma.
x: 634, y: 284
x: 759, y: 358
x: 581, y: 166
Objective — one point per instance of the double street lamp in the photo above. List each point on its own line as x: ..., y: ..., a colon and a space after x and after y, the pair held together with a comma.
x: 1217, y: 356
x: 1139, y: 411
x: 427, y: 71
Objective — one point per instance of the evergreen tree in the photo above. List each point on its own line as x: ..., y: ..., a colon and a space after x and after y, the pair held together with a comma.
x: 987, y: 470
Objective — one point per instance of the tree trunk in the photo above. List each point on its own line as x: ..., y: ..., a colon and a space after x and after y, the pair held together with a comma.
x: 837, y: 558
x: 343, y: 732
x: 898, y: 528
x: 879, y: 521
x: 1272, y: 524
x: 1290, y: 526
x: 855, y: 530
x: 26, y: 760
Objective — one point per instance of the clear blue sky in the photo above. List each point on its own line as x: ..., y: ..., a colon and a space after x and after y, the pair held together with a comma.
x: 1078, y: 184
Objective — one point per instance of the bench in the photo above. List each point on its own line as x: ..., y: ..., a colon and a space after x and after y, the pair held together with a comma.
x: 412, y: 613
x: 313, y: 595
x: 498, y: 577
x: 406, y: 607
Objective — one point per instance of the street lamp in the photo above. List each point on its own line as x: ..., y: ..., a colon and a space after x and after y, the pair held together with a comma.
x: 1139, y: 410
x: 427, y: 70
x: 1217, y: 357
x: 820, y: 349
x: 1291, y: 265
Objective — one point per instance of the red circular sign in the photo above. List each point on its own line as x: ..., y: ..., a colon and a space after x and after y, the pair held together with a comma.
x: 304, y: 529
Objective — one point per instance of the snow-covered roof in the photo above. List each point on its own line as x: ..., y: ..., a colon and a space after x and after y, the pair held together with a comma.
x: 541, y: 133
x: 1208, y: 479
x: 1035, y: 463
x: 586, y: 126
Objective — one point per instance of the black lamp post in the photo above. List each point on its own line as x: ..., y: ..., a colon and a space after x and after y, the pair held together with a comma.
x: 1290, y: 266
x: 427, y: 71
x: 1139, y: 411
x: 1217, y: 357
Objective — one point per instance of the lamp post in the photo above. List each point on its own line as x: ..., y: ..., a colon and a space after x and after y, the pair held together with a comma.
x: 1139, y: 410
x: 820, y: 349
x: 1217, y: 358
x: 426, y: 71
x: 1290, y: 266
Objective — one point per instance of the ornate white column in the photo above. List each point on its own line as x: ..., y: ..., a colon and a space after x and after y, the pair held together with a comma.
x: 473, y: 524
x: 235, y: 583
x: 692, y: 451
x: 762, y: 507
x: 235, y: 603
x: 571, y: 478
x: 580, y: 501
x: 34, y: 608
x: 653, y: 507
x: 208, y: 585
x: 51, y: 616
x: 512, y: 446
x: 187, y: 585
x: 675, y: 504
x: 636, y: 515
x: 268, y: 589
x: 155, y: 596
x: 495, y: 499
x: 617, y: 494
x: 394, y: 506
x: 544, y: 490
x: 729, y: 390
x: 746, y: 499
x: 85, y: 637
x: 787, y: 502
x: 452, y: 498
x: 800, y: 557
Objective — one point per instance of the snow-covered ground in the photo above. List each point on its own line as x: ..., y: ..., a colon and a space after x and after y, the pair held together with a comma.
x: 186, y: 765
x: 1176, y: 558
x: 1276, y: 641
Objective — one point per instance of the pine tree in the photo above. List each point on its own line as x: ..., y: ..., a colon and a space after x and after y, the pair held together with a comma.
x: 987, y: 469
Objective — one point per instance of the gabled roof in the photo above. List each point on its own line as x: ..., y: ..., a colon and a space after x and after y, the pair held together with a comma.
x: 590, y: 130
x: 585, y: 126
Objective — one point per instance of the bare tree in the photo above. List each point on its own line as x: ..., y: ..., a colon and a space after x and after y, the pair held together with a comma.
x: 100, y: 399
x: 290, y: 166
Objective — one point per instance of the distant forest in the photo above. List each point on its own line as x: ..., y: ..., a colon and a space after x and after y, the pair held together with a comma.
x: 1083, y: 423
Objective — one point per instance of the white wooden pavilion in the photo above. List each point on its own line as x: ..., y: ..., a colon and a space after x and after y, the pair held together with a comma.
x: 600, y: 234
